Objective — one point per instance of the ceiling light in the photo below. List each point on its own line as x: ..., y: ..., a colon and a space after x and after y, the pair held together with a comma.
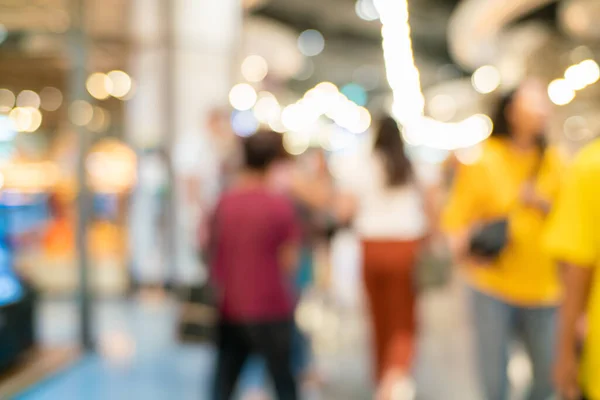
x: 242, y: 97
x: 51, y: 98
x: 255, y: 68
x: 28, y: 98
x: 311, y: 43
x: 486, y: 79
x: 99, y: 86
x: 560, y: 92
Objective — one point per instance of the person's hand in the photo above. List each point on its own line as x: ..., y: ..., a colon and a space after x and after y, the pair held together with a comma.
x: 566, y: 374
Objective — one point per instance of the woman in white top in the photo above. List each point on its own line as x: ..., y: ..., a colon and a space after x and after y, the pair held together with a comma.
x: 391, y: 222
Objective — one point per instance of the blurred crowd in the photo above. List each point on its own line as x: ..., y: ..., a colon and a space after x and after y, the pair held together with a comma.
x: 518, y: 224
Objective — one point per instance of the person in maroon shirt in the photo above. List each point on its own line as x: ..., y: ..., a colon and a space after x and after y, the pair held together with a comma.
x: 253, y: 253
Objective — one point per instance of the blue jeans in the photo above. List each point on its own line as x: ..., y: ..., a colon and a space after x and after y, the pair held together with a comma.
x: 496, y: 324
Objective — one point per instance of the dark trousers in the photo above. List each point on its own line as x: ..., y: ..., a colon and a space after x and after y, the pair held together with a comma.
x: 271, y: 340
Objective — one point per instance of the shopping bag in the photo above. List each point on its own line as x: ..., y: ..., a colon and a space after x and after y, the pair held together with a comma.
x: 198, y: 315
x: 434, y: 266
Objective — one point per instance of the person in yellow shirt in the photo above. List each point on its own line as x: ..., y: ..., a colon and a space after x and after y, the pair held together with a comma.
x: 516, y: 293
x: 573, y: 238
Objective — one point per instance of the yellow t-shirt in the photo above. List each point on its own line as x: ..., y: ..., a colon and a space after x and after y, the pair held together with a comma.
x: 573, y: 236
x: 490, y: 189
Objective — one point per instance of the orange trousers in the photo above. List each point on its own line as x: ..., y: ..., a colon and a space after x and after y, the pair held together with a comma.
x: 388, y: 280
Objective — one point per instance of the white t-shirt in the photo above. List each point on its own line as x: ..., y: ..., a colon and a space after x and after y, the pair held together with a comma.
x: 384, y: 212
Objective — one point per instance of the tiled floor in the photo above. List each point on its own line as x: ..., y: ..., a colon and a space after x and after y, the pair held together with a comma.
x: 138, y: 357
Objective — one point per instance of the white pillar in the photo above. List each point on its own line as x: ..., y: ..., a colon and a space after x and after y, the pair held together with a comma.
x: 204, y: 46
x: 206, y: 40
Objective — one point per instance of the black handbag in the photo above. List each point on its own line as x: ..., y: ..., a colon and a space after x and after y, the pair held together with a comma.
x: 489, y: 240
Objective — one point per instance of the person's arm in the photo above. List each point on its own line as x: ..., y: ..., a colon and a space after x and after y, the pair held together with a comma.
x: 571, y: 239
x: 577, y: 284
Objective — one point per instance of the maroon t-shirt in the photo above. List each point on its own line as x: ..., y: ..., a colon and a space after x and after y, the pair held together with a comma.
x: 250, y: 226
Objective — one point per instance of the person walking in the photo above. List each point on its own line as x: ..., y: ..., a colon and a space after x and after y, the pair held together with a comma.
x: 390, y: 217
x: 573, y: 239
x: 253, y: 253
x: 514, y: 289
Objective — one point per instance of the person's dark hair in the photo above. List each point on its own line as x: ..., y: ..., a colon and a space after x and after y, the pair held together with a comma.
x: 503, y: 129
x: 389, y: 144
x: 262, y: 149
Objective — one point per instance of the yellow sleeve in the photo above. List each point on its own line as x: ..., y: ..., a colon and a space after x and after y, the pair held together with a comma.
x: 572, y: 231
x: 462, y: 208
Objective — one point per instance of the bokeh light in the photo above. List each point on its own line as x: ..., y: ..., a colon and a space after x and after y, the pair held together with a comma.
x: 244, y: 123
x: 356, y: 93
x: 590, y: 70
x: 267, y: 107
x: 242, y: 97
x: 296, y: 143
x: 28, y: 98
x: 560, y: 92
x: 51, y: 98
x: 576, y: 128
x: 307, y: 70
x: 26, y: 119
x: 36, y: 119
x: 442, y: 107
x: 81, y: 113
x: 100, y: 121
x: 21, y: 118
x: 486, y: 79
x: 99, y: 86
x: 366, y: 10
x: 254, y: 68
x: 7, y: 100
x: 121, y: 84
x: 311, y: 43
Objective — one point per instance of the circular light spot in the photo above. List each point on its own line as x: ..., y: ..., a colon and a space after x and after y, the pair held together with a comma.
x: 307, y: 70
x: 560, y: 92
x: 576, y: 79
x: 28, y: 98
x: 81, y: 112
x: 242, y: 97
x: 7, y: 100
x: 244, y: 123
x: 356, y: 93
x: 364, y: 121
x: 100, y: 120
x: 99, y: 85
x: 590, y: 71
x: 120, y: 85
x: 366, y: 10
x: 51, y: 98
x: 21, y: 118
x: 442, y: 107
x: 267, y: 107
x: 311, y: 43
x: 486, y: 79
x: 255, y: 68
x: 469, y: 155
x: 36, y: 119
x: 576, y: 129
x: 296, y: 143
